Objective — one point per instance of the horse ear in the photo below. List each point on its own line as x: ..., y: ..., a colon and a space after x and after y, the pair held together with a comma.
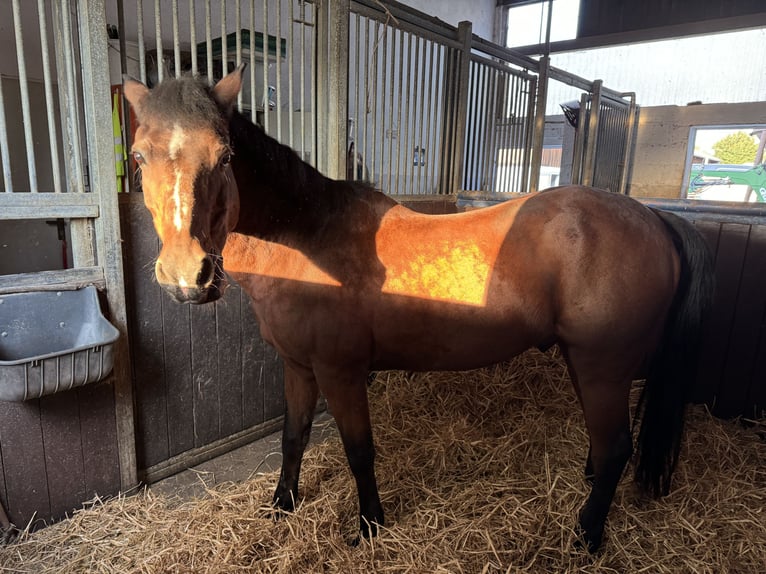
x: 135, y: 92
x: 226, y: 90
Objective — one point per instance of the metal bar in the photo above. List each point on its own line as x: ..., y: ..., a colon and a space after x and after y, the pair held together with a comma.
x: 73, y: 112
x: 632, y: 120
x: 464, y: 31
x: 52, y: 135
x: 407, y: 114
x: 265, y: 59
x: 141, y: 44
x: 429, y: 142
x: 192, y: 37
x: 384, y: 60
x: 416, y: 118
x: 209, y: 42
x: 24, y: 88
x: 224, y: 42
x: 176, y: 41
x: 470, y: 127
x: 531, y: 84
x: 312, y: 87
x: 337, y: 112
x: 158, y: 40
x: 303, y: 81
x: 433, y: 126
x: 489, y: 132
x: 400, y: 106
x: 421, y: 116
x: 4, y: 154
x: 373, y: 94
x: 392, y: 107
x: 357, y: 86
x: 537, y: 140
x: 253, y: 104
x: 238, y: 38
x: 592, y: 141
x: 279, y: 69
x: 366, y: 104
x: 290, y: 73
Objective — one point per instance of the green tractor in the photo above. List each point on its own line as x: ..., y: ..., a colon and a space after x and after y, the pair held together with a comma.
x: 705, y: 175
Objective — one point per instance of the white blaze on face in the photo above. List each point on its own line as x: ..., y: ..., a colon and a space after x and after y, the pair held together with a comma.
x: 177, y: 221
x: 177, y: 140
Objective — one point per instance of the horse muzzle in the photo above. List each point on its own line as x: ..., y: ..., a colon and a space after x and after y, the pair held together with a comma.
x: 207, y: 286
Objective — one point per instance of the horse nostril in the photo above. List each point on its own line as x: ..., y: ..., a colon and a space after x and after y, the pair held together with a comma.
x: 206, y: 273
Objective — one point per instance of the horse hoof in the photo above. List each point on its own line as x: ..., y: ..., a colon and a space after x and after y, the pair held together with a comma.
x: 588, y: 541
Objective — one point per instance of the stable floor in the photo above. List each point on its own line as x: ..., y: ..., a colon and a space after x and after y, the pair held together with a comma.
x: 259, y: 457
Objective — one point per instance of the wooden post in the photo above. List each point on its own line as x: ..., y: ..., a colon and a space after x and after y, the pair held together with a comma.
x: 103, y: 181
x: 465, y: 36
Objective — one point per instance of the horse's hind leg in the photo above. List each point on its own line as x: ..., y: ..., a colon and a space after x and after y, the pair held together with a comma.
x: 300, y: 401
x: 604, y: 397
x: 589, y: 476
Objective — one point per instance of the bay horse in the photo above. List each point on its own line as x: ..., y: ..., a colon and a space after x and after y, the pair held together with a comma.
x: 344, y: 280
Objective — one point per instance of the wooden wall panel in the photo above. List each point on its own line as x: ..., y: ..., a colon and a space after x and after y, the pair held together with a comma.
x: 24, y: 462
x: 732, y: 368
x: 60, y: 423
x: 229, y: 336
x: 202, y: 373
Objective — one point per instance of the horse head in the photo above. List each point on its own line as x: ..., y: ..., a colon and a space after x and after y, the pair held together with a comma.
x: 183, y: 152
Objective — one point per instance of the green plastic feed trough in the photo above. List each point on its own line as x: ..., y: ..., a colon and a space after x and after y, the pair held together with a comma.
x: 52, y: 341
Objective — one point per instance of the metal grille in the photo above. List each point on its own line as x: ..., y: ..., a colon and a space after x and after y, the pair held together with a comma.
x: 500, y: 124
x: 275, y: 38
x: 401, y: 104
x: 604, y: 139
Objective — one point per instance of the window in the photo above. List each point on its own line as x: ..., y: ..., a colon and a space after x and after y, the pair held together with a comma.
x: 528, y: 22
x: 726, y: 163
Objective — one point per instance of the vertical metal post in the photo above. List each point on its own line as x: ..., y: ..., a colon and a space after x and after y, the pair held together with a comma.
x: 23, y: 85
x: 589, y: 161
x: 465, y: 32
x: 539, y: 131
x: 98, y: 125
x: 336, y: 26
x: 48, y: 82
x: 5, y: 155
x: 627, y: 152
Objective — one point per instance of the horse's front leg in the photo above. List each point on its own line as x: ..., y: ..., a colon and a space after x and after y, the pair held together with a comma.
x: 300, y: 403
x: 346, y: 394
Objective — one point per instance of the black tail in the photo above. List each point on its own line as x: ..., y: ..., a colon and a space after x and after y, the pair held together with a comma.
x: 673, y: 368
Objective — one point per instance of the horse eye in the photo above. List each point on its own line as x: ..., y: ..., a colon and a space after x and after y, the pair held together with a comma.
x: 225, y: 159
x: 139, y: 159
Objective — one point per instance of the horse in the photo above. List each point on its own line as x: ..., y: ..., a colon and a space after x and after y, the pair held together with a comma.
x: 345, y: 281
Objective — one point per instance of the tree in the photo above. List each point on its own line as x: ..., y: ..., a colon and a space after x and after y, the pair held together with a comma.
x: 736, y: 148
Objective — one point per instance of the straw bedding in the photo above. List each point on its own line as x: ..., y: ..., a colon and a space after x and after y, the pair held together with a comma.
x: 478, y: 472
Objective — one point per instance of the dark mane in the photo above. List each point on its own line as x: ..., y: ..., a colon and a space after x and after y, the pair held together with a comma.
x: 279, y: 192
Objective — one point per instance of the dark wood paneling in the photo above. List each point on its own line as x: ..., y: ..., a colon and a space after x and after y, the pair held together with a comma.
x: 65, y: 467
x: 743, y: 343
x: 732, y: 246
x: 201, y: 373
x: 176, y: 324
x: 24, y: 462
x: 205, y: 379
x: 144, y: 299
x: 99, y: 439
x: 229, y: 338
